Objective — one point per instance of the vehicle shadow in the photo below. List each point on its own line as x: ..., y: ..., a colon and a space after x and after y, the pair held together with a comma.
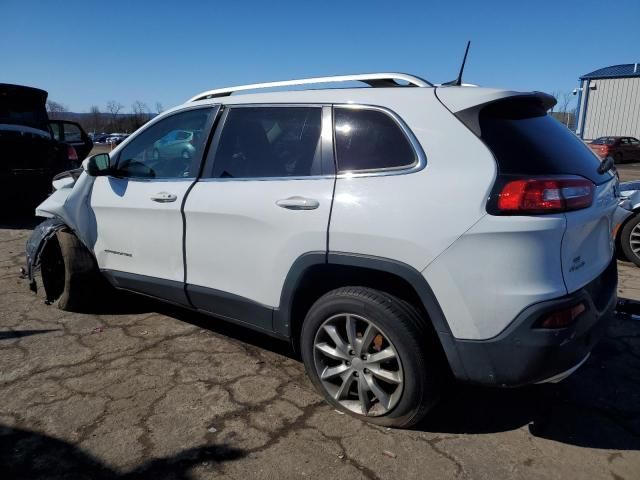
x: 27, y: 454
x: 597, y: 407
x: 125, y: 303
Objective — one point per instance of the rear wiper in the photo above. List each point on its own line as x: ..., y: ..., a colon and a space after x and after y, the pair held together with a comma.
x: 605, y: 165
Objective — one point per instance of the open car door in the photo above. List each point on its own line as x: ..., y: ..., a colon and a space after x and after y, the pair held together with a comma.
x: 72, y: 134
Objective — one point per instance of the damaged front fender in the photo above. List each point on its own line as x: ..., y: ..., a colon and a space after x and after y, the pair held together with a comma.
x: 36, y: 244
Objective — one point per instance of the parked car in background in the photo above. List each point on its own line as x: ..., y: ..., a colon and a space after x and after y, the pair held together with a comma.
x: 628, y: 233
x: 72, y: 134
x: 621, y: 149
x: 333, y: 218
x: 33, y: 148
x: 178, y: 143
x: 115, y: 138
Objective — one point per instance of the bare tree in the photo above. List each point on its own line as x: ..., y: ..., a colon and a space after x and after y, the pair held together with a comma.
x: 141, y: 114
x: 114, y: 109
x: 95, y: 118
x: 159, y: 107
x: 564, y: 102
x: 55, y: 109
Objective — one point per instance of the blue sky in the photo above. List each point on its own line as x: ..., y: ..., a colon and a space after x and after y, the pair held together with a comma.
x: 86, y: 53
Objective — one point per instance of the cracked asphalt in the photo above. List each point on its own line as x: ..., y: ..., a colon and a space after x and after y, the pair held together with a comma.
x: 145, y: 390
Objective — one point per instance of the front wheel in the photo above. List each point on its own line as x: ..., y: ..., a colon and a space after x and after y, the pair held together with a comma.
x: 370, y: 355
x: 630, y: 239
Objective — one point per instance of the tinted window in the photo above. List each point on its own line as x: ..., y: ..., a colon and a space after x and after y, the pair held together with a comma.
x: 526, y: 141
x: 155, y: 153
x: 369, y: 139
x: 72, y: 133
x: 604, y: 141
x: 269, y: 142
x: 634, y: 141
x: 55, y: 129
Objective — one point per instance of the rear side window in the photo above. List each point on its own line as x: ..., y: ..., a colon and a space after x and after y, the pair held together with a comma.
x: 526, y: 141
x: 262, y: 142
x: 368, y: 139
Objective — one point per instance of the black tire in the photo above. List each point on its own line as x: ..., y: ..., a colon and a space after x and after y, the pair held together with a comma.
x: 617, y: 158
x: 82, y: 281
x: 421, y: 359
x: 625, y: 238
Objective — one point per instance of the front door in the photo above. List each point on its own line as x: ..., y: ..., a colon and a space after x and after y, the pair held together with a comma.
x: 264, y: 200
x: 138, y: 209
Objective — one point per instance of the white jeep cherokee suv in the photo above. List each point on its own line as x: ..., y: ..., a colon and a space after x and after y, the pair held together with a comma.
x: 396, y: 234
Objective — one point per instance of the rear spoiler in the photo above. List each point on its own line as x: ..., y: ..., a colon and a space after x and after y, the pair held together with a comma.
x: 466, y: 103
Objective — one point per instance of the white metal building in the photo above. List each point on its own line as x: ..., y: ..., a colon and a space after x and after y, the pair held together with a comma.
x: 609, y: 102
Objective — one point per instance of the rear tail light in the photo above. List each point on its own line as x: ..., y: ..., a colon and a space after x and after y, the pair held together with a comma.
x: 561, y: 318
x: 536, y: 195
x: 72, y: 154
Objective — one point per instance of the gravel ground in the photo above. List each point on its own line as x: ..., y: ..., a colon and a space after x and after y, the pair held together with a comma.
x: 147, y: 390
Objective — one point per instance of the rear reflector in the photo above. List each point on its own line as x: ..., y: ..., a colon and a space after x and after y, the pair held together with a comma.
x: 561, y: 318
x: 542, y: 195
x: 72, y: 154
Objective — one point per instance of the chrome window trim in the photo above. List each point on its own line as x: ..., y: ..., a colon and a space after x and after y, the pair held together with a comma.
x: 265, y: 179
x: 153, y: 179
x: 421, y: 158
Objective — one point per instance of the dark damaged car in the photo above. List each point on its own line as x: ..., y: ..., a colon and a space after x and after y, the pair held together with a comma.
x: 33, y: 148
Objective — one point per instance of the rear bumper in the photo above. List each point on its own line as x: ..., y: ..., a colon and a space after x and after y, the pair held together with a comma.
x: 523, y: 354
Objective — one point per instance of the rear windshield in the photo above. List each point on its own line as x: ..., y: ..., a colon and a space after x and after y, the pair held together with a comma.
x: 15, y: 112
x: 604, y: 141
x: 527, y: 141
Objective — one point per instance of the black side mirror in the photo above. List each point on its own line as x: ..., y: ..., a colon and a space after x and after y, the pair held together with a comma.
x: 99, y: 165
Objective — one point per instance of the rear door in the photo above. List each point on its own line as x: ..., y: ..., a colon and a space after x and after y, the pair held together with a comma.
x: 138, y: 209
x: 263, y: 201
x: 527, y: 142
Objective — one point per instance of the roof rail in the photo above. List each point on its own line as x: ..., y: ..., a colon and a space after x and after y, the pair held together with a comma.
x: 371, y: 79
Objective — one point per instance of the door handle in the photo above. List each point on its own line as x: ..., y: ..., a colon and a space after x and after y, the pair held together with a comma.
x: 298, y: 203
x: 164, y: 197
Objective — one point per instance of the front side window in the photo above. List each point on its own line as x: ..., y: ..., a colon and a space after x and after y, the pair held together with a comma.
x: 367, y: 139
x: 262, y: 142
x: 171, y: 148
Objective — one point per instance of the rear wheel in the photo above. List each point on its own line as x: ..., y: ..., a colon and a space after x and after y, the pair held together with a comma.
x: 630, y: 239
x: 369, y: 354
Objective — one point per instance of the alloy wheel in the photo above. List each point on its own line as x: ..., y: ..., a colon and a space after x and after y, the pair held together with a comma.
x: 634, y: 240
x: 357, y: 365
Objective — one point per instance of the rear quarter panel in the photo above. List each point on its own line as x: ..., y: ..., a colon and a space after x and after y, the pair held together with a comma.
x: 412, y: 218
